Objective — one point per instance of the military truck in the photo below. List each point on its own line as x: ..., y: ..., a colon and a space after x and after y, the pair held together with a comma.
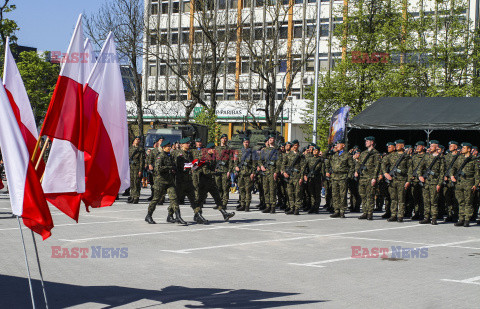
x: 257, y: 138
x: 175, y: 132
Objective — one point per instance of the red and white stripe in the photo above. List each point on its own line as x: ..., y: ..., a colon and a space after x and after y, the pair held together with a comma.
x: 106, y: 139
x: 64, y: 179
x: 26, y: 194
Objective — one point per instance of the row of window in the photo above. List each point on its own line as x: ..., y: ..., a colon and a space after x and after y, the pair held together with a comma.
x: 182, y: 96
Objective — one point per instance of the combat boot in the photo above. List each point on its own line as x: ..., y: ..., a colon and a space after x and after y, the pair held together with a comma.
x: 387, y: 214
x: 313, y: 210
x: 434, y: 221
x: 200, y: 219
x: 426, y: 220
x: 227, y: 215
x: 272, y: 210
x: 370, y: 217
x: 290, y: 212
x: 149, y: 219
x: 266, y: 210
x: 459, y: 223
x: 178, y: 218
x: 342, y: 215
x: 296, y: 212
x: 416, y: 216
x: 130, y: 200
x: 135, y: 200
x: 392, y: 219
x: 241, y: 208
x: 247, y: 207
x: 449, y: 218
x: 363, y: 217
x: 335, y: 215
x: 170, y: 218
x: 467, y: 223
x: 400, y: 219
x: 126, y: 192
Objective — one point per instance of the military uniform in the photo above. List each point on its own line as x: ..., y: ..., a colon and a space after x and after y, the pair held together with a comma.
x: 396, y: 187
x: 184, y: 178
x: 224, y: 166
x: 246, y: 164
x: 295, y: 168
x: 315, y: 169
x: 451, y: 203
x: 432, y: 169
x: 328, y: 182
x: 198, y: 154
x: 341, y: 166
x: 151, y: 161
x: 371, y: 161
x: 469, y: 176
x: 281, y: 184
x: 417, y: 190
x: 137, y: 161
x: 269, y: 159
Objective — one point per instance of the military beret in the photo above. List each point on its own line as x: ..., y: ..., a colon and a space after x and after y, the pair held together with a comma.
x: 246, y: 139
x: 271, y: 136
x: 165, y: 143
x: 317, y: 147
x: 420, y: 143
x: 282, y: 145
x: 211, y: 145
x: 312, y: 144
x: 295, y: 141
x: 434, y: 141
x: 465, y: 144
x: 198, y: 139
x: 341, y: 141
x: 408, y: 146
x: 289, y: 143
x: 224, y: 135
x: 390, y: 144
x: 453, y: 142
x: 370, y: 138
x: 441, y: 147
x: 185, y: 140
x: 399, y: 141
x: 137, y: 136
x: 475, y: 147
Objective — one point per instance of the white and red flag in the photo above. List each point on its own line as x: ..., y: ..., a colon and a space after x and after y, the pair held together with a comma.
x: 64, y: 178
x: 106, y: 138
x: 26, y: 194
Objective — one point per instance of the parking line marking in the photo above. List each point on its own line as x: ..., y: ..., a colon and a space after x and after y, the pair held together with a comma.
x: 71, y: 224
x: 318, y: 264
x: 468, y: 281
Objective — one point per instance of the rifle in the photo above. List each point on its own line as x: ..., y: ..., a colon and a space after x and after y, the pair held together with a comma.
x: 362, y: 166
x: 428, y: 171
x: 460, y: 171
x: 244, y: 158
x: 133, y: 154
x: 415, y: 172
x: 394, y: 170
x: 448, y: 170
x: 269, y: 162
x: 311, y: 173
x: 291, y: 168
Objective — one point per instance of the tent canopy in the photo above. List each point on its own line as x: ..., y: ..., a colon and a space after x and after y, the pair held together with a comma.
x: 420, y: 113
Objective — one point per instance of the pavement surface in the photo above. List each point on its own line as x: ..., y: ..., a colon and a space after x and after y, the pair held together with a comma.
x: 113, y: 259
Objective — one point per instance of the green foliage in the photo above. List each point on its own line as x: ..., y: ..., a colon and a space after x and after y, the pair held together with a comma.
x: 39, y: 77
x: 209, y: 118
x: 428, y: 55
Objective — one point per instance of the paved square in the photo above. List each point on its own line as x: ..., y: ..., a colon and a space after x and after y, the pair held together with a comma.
x: 255, y: 261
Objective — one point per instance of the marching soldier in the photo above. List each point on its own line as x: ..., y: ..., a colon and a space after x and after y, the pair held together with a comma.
x: 396, y: 168
x: 165, y: 170
x: 198, y: 154
x: 367, y: 170
x: 465, y: 175
x: 224, y: 167
x: 281, y: 185
x: 269, y: 164
x: 315, y: 168
x: 245, y: 167
x: 430, y: 174
x: 206, y: 182
x: 340, y: 168
x: 137, y: 159
x: 151, y: 163
x: 293, y: 171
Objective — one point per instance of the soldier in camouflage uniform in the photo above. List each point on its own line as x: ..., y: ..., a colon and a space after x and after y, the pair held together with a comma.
x: 151, y: 163
x: 269, y: 164
x: 417, y: 190
x: 367, y: 169
x: 224, y: 167
x: 165, y: 170
x: 293, y: 171
x: 451, y: 204
x: 245, y: 167
x: 397, y: 164
x: 206, y: 182
x: 315, y: 168
x: 259, y: 175
x: 340, y: 168
x: 198, y: 154
x: 465, y: 174
x: 328, y: 182
x: 281, y: 185
x: 383, y: 186
x: 430, y: 174
x: 137, y: 161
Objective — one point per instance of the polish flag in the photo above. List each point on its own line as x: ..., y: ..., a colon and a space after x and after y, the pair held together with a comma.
x: 26, y: 194
x: 106, y: 138
x: 20, y: 104
x: 64, y: 178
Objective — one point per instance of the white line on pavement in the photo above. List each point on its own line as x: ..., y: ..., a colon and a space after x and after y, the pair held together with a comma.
x: 318, y: 264
x: 468, y: 281
x: 83, y: 223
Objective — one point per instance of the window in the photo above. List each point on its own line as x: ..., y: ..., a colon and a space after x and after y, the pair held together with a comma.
x: 259, y: 3
x: 232, y: 66
x: 283, y: 66
x: 310, y: 66
x: 165, y: 8
x: 246, y: 34
x: 298, y: 1
x: 153, y: 39
x: 222, y: 4
x: 185, y: 37
x: 154, y: 9
x: 245, y: 67
x: 186, y: 6
x: 172, y: 97
x: 175, y: 7
x: 174, y: 38
x: 163, y: 69
x: 233, y: 4
x: 259, y: 34
x: 283, y: 33
x: 153, y: 70
x: 297, y: 32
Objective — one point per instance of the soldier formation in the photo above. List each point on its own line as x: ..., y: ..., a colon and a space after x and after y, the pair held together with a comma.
x: 424, y: 183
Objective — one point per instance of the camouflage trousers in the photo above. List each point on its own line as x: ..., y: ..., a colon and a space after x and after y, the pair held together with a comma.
x: 367, y: 194
x: 160, y: 190
x: 207, y: 185
x: 397, y: 194
x: 451, y: 204
x: 245, y: 185
x: 295, y: 194
x: 314, y: 189
x: 418, y: 198
x: 185, y: 188
x: 135, y: 181
x: 339, y: 195
x: 270, y: 190
x: 223, y: 185
x: 465, y: 195
x: 430, y: 200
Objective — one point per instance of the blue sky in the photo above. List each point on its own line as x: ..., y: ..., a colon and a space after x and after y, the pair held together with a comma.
x: 49, y: 24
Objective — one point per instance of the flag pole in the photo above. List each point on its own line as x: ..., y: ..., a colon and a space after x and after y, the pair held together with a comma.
x: 36, y: 148
x: 41, y: 153
x: 26, y: 263
x: 40, y: 270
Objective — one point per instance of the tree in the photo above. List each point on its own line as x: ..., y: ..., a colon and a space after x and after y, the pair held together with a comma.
x: 39, y: 77
x: 125, y: 19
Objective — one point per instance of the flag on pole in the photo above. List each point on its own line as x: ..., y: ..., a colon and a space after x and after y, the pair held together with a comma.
x: 106, y: 138
x: 337, y: 125
x: 64, y: 178
x: 20, y: 103
x: 26, y: 194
